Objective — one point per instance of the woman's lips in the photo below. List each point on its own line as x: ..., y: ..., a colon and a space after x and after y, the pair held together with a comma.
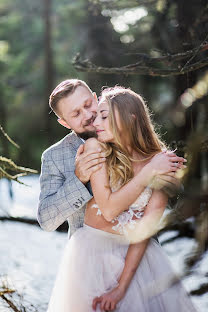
x: 98, y: 131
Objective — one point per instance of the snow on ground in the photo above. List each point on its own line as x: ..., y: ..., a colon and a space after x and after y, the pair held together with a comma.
x: 29, y: 257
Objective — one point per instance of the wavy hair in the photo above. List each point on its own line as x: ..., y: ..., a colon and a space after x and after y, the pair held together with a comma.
x: 137, y: 129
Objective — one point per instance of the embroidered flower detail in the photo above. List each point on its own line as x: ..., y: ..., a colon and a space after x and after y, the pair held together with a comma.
x: 99, y: 213
x: 125, y: 219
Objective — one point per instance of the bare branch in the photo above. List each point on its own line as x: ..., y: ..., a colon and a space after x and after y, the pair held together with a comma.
x: 120, y: 4
x: 8, y: 138
x: 5, y: 174
x: 139, y: 68
x: 9, y: 164
x: 169, y: 58
x: 10, y: 304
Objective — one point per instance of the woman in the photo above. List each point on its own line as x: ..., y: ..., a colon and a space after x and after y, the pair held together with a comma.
x: 99, y: 258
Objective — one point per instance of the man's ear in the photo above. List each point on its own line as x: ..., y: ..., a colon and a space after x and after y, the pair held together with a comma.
x: 63, y: 123
x: 95, y: 96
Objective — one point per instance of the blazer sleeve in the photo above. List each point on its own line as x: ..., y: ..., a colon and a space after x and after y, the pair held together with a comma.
x: 59, y: 197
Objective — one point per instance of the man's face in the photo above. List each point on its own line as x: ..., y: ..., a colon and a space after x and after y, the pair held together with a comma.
x: 78, y: 111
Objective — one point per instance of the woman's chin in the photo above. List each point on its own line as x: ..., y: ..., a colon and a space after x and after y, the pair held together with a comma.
x: 102, y: 140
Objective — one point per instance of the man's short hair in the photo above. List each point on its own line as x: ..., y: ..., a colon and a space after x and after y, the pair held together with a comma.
x: 65, y: 88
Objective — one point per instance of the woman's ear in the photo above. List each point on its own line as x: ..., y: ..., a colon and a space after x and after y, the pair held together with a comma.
x: 134, y: 117
x: 63, y: 123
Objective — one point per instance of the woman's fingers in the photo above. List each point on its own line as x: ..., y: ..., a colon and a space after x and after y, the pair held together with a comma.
x: 107, y: 305
x: 102, y: 304
x: 96, y: 300
x: 177, y: 159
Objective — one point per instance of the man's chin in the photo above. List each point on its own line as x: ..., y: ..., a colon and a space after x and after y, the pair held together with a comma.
x: 87, y: 135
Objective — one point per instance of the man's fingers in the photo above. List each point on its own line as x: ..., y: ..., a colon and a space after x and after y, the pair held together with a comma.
x: 167, y: 178
x: 80, y: 150
x: 89, y: 155
x: 94, y: 155
x: 95, y: 162
x: 95, y: 168
x: 170, y: 174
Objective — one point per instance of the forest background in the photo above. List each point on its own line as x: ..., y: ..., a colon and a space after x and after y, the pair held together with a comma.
x: 159, y: 48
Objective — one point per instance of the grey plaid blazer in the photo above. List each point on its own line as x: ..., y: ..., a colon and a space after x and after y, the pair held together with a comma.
x: 63, y: 196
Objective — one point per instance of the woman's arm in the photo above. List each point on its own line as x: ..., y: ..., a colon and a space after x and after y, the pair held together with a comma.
x: 154, y: 211
x: 111, y: 203
x: 151, y: 218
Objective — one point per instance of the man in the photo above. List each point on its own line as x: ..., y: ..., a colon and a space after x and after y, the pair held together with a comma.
x: 63, y: 196
x: 66, y: 169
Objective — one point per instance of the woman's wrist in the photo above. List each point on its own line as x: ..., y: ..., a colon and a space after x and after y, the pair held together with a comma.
x: 122, y: 288
x: 148, y: 173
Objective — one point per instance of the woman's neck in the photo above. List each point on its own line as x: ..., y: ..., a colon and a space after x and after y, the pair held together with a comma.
x: 135, y: 155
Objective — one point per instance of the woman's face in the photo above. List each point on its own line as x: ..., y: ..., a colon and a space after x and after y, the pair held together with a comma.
x: 101, y: 123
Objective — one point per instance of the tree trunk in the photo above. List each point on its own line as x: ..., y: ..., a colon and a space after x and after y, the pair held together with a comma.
x: 49, y: 71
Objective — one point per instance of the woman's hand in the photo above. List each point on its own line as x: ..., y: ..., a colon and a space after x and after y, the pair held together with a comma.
x: 166, y: 162
x: 109, y: 300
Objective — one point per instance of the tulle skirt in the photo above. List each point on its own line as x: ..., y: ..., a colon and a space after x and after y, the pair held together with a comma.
x: 92, y: 263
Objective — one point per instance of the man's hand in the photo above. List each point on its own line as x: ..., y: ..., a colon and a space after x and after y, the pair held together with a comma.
x: 109, y: 300
x: 163, y: 180
x: 87, y: 162
x: 169, y: 184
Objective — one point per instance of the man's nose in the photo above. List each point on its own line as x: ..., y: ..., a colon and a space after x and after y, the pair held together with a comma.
x: 87, y: 114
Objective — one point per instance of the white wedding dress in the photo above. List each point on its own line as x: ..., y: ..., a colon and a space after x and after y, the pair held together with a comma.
x: 93, y: 261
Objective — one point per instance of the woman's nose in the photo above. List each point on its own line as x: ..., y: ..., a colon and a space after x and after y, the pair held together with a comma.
x: 95, y: 122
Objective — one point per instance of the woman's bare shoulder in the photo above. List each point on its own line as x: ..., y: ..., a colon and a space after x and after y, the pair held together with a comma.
x: 93, y: 144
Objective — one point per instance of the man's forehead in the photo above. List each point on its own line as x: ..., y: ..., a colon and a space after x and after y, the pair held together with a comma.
x: 79, y: 97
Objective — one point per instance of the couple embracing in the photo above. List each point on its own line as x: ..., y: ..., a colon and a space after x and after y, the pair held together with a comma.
x: 109, y: 178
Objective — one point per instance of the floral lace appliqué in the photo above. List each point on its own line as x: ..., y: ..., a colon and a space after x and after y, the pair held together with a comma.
x: 125, y: 219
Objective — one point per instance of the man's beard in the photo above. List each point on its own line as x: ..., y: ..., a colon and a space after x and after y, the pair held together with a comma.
x: 87, y: 135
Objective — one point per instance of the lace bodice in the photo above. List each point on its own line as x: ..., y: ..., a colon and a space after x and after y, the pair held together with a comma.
x: 125, y: 219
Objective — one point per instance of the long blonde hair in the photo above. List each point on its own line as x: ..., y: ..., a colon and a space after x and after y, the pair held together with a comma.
x: 137, y: 128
